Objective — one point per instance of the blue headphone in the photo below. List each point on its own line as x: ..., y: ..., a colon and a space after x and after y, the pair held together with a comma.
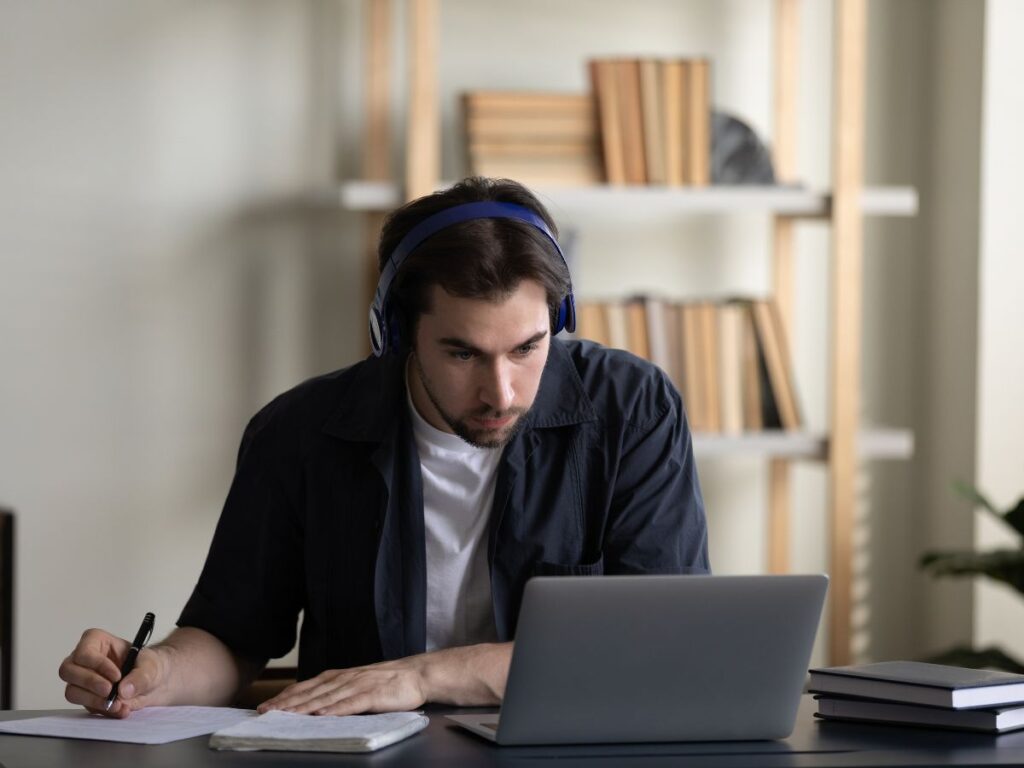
x: 383, y: 320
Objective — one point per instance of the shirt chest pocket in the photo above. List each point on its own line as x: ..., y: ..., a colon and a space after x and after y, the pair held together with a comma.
x: 551, y: 526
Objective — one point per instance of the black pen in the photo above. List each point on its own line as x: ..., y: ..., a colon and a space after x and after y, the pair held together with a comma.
x: 141, y: 638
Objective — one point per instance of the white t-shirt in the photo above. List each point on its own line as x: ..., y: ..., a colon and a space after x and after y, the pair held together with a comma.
x: 458, y: 493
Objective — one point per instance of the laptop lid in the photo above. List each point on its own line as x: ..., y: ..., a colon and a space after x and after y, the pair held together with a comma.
x: 659, y: 658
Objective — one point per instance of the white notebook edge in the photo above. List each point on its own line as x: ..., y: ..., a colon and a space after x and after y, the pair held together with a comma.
x: 222, y: 741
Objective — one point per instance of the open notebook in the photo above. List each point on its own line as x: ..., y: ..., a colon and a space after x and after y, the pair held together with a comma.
x: 292, y: 732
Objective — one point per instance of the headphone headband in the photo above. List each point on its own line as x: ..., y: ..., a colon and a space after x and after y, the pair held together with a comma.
x: 384, y: 328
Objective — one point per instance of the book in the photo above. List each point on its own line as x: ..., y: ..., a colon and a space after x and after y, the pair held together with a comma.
x: 638, y: 341
x: 292, y: 732
x: 543, y: 113
x: 674, y: 342
x: 617, y: 324
x: 711, y: 387
x: 915, y: 682
x: 548, y: 103
x: 654, y: 122
x: 750, y: 372
x: 606, y: 89
x: 592, y: 323
x: 658, y: 334
x: 516, y: 147
x: 536, y: 137
x: 693, y: 380
x: 698, y: 128
x: 770, y: 418
x: 557, y: 172
x: 655, y: 119
x: 999, y: 720
x: 775, y: 349
x: 673, y: 114
x: 529, y: 127
x: 631, y: 120
x: 730, y: 361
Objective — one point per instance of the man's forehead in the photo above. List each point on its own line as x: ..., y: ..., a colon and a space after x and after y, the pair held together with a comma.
x: 527, y: 300
x: 487, y: 324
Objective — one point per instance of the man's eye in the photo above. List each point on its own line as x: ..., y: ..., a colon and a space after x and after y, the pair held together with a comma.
x: 462, y: 354
x: 527, y: 348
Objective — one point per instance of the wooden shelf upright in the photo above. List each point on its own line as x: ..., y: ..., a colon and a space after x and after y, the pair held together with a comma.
x: 377, y: 126
x: 846, y: 296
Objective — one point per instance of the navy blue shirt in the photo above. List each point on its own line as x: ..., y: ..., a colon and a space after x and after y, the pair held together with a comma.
x: 325, y: 512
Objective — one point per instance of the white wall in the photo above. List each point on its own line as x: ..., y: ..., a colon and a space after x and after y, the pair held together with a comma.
x: 1000, y: 432
x: 162, y: 276
x: 159, y: 280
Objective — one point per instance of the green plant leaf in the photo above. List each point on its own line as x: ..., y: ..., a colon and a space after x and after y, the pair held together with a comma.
x: 1005, y: 565
x: 992, y: 657
x: 976, y: 497
x: 1015, y: 517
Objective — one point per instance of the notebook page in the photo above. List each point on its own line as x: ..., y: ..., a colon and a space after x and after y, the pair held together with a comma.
x: 153, y: 725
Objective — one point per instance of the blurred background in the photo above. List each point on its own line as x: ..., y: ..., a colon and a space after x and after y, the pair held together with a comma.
x: 173, y: 255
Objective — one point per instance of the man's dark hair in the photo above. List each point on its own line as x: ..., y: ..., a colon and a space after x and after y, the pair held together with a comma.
x: 476, y: 259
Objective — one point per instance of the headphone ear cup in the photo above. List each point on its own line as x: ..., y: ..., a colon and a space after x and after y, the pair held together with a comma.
x: 559, y: 323
x: 566, y: 320
x: 378, y: 332
x: 395, y: 320
x: 385, y: 330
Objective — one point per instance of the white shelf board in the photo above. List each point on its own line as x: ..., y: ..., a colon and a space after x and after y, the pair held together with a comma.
x: 776, y: 444
x: 369, y: 196
x: 787, y: 201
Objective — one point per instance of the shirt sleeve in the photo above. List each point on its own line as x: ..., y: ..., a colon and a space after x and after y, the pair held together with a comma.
x: 657, y: 522
x: 249, y: 593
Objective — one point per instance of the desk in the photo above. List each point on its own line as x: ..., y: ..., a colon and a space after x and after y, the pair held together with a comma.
x: 812, y: 744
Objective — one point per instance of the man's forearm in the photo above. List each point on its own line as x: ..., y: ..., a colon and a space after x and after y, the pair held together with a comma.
x: 199, y: 669
x: 473, y: 675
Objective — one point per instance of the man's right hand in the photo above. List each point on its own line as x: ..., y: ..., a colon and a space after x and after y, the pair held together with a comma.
x: 93, y: 667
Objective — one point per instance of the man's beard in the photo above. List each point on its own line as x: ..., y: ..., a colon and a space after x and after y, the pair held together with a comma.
x: 481, y: 438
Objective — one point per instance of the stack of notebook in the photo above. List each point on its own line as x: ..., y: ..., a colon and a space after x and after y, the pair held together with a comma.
x: 915, y: 693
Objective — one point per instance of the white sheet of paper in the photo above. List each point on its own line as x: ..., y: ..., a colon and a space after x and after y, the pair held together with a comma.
x: 153, y: 725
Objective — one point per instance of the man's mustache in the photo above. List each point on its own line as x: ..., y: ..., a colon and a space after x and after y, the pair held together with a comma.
x: 487, y: 413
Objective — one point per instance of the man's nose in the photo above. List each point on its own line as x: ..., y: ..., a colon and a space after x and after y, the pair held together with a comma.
x: 496, y: 390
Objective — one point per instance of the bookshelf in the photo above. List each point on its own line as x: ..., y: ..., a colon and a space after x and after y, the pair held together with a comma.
x: 846, y: 443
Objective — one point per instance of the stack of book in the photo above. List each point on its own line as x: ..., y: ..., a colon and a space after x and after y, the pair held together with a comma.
x: 916, y: 693
x: 729, y: 360
x: 655, y: 118
x: 534, y: 137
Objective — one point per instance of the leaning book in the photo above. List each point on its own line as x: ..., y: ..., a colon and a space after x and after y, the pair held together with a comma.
x: 914, y: 682
x: 291, y: 732
x: 999, y: 720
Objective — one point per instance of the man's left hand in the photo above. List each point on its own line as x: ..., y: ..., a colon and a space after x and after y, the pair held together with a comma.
x: 391, y: 686
x: 472, y: 675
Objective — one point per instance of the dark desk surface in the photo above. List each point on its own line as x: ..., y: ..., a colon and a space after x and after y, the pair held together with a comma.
x: 813, y: 743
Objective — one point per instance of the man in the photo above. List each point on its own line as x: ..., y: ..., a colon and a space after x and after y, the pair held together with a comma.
x: 402, y: 503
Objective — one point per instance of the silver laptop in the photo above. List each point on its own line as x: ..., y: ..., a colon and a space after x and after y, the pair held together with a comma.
x: 657, y: 658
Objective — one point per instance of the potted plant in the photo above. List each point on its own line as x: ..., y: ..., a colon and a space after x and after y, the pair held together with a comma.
x: 1003, y: 565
